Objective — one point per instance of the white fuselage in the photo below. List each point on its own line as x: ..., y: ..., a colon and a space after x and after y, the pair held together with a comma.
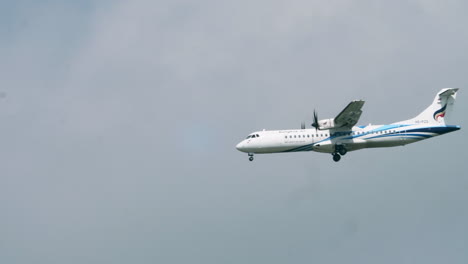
x: 359, y: 137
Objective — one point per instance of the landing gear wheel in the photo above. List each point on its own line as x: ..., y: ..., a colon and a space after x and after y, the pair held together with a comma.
x: 343, y: 151
x: 251, y: 158
x: 336, y: 157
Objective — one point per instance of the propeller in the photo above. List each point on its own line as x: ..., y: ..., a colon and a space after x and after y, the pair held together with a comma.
x: 315, y: 123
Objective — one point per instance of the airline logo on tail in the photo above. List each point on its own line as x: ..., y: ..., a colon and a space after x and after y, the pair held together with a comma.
x: 440, y: 113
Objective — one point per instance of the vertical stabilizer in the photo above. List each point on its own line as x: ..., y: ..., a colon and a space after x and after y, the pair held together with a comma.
x: 439, y: 111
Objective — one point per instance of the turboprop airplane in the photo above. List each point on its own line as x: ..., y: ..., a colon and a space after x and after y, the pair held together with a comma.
x: 339, y: 135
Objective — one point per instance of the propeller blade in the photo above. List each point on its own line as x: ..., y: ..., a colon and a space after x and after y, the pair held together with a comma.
x: 315, y: 123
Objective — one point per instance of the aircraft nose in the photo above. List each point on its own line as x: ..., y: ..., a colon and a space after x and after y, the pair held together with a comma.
x: 238, y: 146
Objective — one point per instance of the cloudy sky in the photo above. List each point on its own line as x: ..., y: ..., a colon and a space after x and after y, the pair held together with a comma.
x: 118, y: 122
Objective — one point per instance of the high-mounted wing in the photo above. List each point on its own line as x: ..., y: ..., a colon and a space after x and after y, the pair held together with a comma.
x: 350, y: 115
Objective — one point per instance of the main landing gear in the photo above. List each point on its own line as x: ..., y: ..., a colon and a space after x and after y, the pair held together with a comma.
x: 251, y: 156
x: 339, y: 150
x: 336, y: 157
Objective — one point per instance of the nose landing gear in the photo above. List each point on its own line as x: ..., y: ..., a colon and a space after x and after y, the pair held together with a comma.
x: 251, y: 156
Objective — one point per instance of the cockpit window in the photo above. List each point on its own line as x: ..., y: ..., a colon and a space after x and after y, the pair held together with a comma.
x: 252, y: 136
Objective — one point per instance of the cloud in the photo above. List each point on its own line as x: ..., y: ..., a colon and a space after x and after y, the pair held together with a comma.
x: 120, y: 121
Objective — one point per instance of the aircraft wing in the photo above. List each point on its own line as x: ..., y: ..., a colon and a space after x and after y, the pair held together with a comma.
x: 350, y: 115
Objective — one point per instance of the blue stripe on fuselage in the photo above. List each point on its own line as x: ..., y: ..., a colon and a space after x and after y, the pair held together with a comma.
x: 439, y: 130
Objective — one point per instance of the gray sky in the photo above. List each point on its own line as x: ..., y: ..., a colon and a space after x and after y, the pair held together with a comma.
x: 119, y: 121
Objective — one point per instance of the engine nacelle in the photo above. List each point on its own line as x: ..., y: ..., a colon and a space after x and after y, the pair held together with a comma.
x: 326, y: 123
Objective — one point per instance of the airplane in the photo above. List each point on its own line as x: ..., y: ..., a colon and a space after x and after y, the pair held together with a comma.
x: 339, y: 135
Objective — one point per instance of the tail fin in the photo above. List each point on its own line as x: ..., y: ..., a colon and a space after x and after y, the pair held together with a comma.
x: 439, y: 110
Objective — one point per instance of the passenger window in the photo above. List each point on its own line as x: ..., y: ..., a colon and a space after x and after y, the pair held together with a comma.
x: 290, y: 136
x: 308, y: 135
x: 294, y: 136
